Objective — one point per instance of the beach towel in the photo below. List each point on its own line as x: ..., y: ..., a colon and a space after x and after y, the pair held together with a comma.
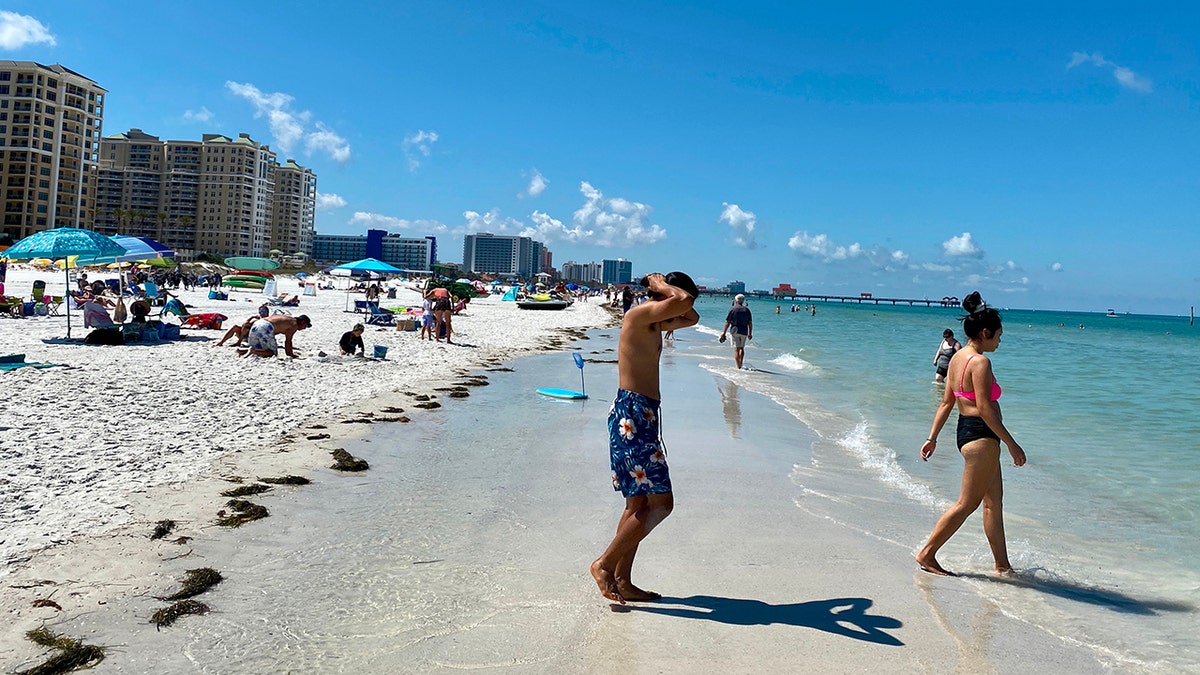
x: 208, y: 320
x: 14, y: 361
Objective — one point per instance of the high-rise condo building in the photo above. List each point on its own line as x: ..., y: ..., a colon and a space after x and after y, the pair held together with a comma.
x: 586, y: 273
x: 50, y: 122
x: 293, y: 217
x: 486, y: 253
x: 619, y: 271
x: 220, y: 195
x: 407, y: 253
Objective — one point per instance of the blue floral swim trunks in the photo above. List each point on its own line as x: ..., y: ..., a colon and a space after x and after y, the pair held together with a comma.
x: 639, y: 464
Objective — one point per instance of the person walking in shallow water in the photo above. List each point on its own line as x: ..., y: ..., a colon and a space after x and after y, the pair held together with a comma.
x: 973, y: 387
x: 742, y: 323
x: 941, y: 358
x: 636, y: 453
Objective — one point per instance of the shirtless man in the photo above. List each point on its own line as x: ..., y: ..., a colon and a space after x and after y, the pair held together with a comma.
x: 261, y: 340
x: 639, y: 467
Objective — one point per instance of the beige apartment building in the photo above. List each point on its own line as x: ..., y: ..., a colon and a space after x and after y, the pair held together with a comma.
x: 294, y: 215
x: 50, y: 124
x: 222, y: 196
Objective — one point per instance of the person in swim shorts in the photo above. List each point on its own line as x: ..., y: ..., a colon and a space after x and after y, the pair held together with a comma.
x: 636, y: 454
x: 261, y: 338
x: 971, y: 385
x: 742, y: 323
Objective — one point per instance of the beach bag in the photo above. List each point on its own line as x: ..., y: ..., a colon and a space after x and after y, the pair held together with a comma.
x: 105, y: 336
x: 119, y: 312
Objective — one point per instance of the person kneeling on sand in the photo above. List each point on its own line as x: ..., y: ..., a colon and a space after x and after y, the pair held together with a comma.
x: 636, y: 454
x: 261, y: 339
x: 352, y: 342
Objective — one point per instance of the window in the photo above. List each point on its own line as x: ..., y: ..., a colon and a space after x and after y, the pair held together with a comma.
x: 3, y: 88
x: 5, y: 76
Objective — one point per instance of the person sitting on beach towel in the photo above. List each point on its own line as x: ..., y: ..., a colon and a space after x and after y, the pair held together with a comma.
x: 94, y: 313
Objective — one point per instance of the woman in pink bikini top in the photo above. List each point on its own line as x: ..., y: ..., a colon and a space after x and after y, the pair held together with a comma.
x: 970, y: 394
x: 980, y: 433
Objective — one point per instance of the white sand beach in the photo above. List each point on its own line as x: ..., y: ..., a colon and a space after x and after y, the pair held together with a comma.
x: 98, y: 451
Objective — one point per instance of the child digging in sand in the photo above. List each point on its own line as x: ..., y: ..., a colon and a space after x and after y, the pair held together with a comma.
x: 636, y: 454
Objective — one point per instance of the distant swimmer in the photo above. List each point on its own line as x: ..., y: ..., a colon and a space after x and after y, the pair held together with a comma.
x: 980, y: 432
x: 636, y: 453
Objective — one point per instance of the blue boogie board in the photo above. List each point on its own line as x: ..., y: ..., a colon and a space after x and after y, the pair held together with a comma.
x: 562, y: 393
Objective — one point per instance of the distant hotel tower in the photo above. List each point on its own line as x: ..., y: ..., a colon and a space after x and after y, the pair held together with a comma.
x: 486, y: 253
x: 220, y: 195
x: 50, y: 120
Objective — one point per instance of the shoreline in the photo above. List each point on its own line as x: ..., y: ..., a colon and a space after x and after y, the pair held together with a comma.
x: 94, y: 551
x: 461, y: 549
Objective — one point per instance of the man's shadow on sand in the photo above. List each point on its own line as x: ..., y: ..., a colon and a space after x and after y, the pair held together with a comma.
x: 841, y: 616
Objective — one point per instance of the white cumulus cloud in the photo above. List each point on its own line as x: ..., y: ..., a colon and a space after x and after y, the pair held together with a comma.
x: 328, y: 141
x: 18, y: 30
x: 201, y: 115
x: 741, y: 222
x: 821, y: 246
x: 537, y: 185
x: 615, y: 222
x: 379, y: 221
x: 291, y: 127
x: 491, y: 222
x: 329, y: 200
x: 547, y: 228
x: 1124, y: 76
x: 1056, y: 267
x: 418, y: 146
x: 962, y: 245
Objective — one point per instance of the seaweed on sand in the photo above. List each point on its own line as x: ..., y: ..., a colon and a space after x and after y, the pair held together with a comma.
x: 244, y: 512
x: 162, y: 529
x: 286, y: 480
x: 196, y: 582
x: 167, y: 615
x: 73, y: 654
x: 344, y: 461
x: 246, y: 490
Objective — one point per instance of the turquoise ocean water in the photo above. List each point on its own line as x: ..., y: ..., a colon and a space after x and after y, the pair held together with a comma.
x: 1104, y: 518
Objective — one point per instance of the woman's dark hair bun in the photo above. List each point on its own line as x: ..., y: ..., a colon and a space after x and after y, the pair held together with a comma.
x: 979, y: 316
x: 973, y: 303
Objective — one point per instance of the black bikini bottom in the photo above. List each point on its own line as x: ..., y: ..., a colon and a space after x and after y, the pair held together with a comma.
x: 973, y: 429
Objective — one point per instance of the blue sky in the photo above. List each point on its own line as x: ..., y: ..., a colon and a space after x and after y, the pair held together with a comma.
x: 1045, y: 156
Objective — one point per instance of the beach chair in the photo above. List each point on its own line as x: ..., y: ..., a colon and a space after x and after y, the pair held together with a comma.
x: 54, y: 305
x: 174, y: 306
x: 39, y: 290
x: 379, y: 316
x: 362, y: 306
x: 151, y: 292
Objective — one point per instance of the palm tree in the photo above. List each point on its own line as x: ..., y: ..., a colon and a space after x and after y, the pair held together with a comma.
x: 162, y: 225
x: 187, y: 234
